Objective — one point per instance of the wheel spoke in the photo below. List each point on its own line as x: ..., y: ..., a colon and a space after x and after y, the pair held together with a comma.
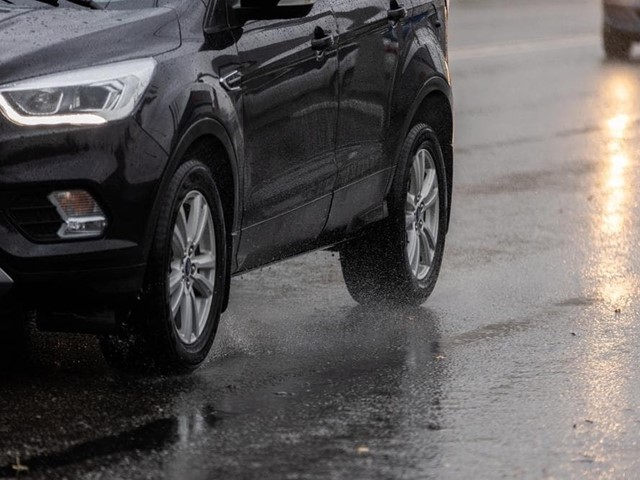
x: 202, y: 224
x: 409, y: 220
x: 186, y: 316
x: 430, y: 215
x: 176, y: 300
x: 194, y: 218
x: 412, y: 249
x: 429, y: 236
x: 429, y: 186
x: 181, y: 223
x: 411, y: 237
x: 416, y: 181
x: 410, y: 206
x: 432, y: 231
x: 432, y: 199
x: 195, y: 325
x: 202, y: 285
x: 415, y: 256
x: 175, y: 279
x: 205, y: 261
x: 177, y: 243
x: 179, y: 239
x: 421, y: 160
x: 425, y: 248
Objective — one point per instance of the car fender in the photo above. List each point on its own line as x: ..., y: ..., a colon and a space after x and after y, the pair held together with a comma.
x: 424, y: 71
x: 419, y: 78
x: 203, y: 112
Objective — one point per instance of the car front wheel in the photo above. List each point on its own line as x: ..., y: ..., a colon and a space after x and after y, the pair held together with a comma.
x: 399, y: 260
x: 173, y: 326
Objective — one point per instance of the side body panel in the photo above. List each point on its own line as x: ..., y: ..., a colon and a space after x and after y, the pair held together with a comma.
x: 290, y: 101
x: 409, y: 59
x: 368, y: 51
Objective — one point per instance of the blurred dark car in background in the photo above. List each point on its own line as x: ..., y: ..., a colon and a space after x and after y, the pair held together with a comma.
x: 621, y: 27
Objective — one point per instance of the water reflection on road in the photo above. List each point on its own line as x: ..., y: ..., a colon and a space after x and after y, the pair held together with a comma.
x: 373, y: 376
x: 609, y: 272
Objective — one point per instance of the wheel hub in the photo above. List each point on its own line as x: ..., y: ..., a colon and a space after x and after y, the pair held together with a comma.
x: 419, y: 214
x: 188, y: 267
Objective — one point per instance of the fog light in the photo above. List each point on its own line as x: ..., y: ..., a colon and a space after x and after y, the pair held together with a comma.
x: 82, y: 216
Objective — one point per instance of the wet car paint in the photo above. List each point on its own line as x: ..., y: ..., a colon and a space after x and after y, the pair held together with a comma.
x: 82, y: 38
x: 288, y: 91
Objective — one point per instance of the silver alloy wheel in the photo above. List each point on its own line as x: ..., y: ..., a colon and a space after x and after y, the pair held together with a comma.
x: 192, y: 271
x: 422, y: 214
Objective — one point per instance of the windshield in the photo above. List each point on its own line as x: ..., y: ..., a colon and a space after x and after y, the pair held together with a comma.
x: 99, y: 4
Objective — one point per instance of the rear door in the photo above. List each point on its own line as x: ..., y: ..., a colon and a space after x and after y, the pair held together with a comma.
x: 290, y: 96
x: 368, y: 52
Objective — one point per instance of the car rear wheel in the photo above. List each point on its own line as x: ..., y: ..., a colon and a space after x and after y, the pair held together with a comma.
x: 173, y: 326
x: 616, y: 45
x: 399, y: 260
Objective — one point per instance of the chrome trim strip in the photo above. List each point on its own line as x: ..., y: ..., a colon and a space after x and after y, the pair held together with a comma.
x: 232, y: 81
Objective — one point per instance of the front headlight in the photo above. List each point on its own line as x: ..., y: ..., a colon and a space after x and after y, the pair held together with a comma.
x: 91, y: 96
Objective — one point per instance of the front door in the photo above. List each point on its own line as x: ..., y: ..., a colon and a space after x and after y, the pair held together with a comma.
x: 290, y: 97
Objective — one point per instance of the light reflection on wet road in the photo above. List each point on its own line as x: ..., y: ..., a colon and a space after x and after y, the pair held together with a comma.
x: 523, y: 363
x: 607, y: 390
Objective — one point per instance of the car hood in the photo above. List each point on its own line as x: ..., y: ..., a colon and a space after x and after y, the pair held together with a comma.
x: 48, y: 40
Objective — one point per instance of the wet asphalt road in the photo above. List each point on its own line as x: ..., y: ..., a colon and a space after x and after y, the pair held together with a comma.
x: 522, y: 364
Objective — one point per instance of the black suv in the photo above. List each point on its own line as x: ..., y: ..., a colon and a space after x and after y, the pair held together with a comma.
x: 152, y: 149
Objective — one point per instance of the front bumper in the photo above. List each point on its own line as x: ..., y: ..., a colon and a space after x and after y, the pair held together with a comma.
x: 122, y: 167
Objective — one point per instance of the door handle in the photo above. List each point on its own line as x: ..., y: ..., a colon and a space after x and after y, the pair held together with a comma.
x: 396, y: 12
x: 322, y: 41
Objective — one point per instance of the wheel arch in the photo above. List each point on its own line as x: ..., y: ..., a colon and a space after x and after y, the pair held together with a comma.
x: 207, y: 138
x: 432, y: 104
x: 435, y: 109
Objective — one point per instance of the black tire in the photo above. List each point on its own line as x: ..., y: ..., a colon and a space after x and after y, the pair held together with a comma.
x: 149, y: 339
x: 376, y: 266
x: 616, y: 45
